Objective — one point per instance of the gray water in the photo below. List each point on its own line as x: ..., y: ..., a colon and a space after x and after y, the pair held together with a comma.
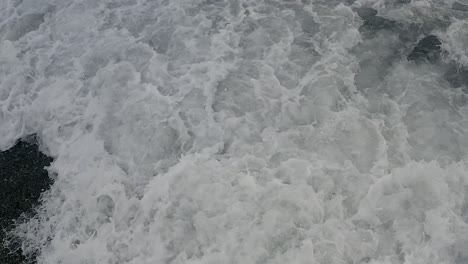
x: 238, y: 131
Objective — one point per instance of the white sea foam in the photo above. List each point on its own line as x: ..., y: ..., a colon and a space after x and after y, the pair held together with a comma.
x: 238, y: 131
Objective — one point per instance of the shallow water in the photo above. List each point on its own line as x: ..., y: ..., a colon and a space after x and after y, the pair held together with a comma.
x: 241, y: 131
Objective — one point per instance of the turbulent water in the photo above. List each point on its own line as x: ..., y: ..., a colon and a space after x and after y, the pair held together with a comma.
x: 242, y: 131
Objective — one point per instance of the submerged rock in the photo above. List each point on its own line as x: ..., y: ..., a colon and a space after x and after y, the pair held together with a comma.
x: 457, y: 76
x: 106, y: 207
x: 22, y: 180
x: 24, y: 25
x: 372, y: 22
x: 365, y: 12
x: 460, y: 6
x: 427, y: 49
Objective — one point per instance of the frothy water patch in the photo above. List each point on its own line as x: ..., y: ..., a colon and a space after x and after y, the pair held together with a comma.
x: 243, y: 131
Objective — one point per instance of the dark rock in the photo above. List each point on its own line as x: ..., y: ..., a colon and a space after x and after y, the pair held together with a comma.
x: 427, y: 49
x: 22, y: 180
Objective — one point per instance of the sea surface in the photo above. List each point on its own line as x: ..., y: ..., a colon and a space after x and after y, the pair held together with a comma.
x: 241, y: 131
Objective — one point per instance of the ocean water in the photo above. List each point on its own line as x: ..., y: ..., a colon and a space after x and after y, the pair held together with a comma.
x: 242, y: 131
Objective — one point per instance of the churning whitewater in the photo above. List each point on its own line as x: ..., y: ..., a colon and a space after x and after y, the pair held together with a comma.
x: 241, y: 131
